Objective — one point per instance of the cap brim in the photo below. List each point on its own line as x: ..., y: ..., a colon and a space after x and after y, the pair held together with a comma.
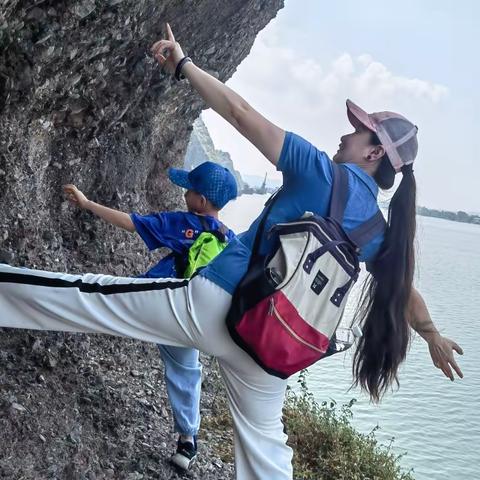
x: 358, y: 117
x: 179, y: 177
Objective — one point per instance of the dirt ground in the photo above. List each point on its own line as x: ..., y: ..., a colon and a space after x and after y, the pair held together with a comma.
x: 78, y: 407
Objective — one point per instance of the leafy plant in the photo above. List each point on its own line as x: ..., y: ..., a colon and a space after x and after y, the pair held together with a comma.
x: 327, y: 447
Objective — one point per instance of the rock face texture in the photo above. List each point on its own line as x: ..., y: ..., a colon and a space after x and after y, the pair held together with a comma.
x: 81, y: 101
x: 201, y: 149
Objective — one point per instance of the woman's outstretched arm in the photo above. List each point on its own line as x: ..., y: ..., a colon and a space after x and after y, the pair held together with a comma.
x: 262, y: 133
x: 441, y: 348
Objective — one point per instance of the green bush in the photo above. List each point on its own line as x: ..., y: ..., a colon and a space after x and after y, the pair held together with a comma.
x: 327, y: 447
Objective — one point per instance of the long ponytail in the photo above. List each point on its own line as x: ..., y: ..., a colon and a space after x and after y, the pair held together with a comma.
x: 383, y: 309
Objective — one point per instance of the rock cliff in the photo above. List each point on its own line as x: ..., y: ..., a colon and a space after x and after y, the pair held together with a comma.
x: 81, y: 101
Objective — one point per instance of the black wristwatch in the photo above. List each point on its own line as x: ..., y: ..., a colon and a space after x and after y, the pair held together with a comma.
x: 178, y: 70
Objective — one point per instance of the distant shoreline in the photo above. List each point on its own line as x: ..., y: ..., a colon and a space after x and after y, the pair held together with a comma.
x: 460, y: 216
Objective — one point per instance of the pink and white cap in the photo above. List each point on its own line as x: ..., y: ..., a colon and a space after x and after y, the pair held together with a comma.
x: 397, y: 134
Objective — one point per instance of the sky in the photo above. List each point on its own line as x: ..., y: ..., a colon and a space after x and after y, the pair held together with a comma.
x: 419, y: 58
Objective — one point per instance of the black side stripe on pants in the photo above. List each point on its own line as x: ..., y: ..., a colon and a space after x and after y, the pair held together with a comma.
x: 86, y: 287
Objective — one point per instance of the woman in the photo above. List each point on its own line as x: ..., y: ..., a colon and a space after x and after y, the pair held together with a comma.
x: 192, y: 313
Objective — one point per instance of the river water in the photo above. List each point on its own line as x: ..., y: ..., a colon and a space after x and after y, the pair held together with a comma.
x: 433, y: 420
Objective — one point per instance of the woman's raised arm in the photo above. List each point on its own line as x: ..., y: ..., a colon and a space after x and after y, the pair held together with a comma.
x: 262, y: 133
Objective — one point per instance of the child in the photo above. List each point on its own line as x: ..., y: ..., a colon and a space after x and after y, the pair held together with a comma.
x: 208, y: 188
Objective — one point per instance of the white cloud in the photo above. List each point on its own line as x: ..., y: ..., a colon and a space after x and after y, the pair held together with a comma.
x: 301, y: 94
x: 273, y: 71
x: 305, y: 95
x: 377, y: 79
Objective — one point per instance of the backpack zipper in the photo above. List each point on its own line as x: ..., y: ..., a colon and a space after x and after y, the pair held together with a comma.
x: 276, y: 314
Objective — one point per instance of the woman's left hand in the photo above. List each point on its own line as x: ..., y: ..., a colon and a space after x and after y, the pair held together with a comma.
x: 441, y: 350
x: 168, y: 52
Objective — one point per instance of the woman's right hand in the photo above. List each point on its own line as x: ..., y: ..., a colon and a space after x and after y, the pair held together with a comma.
x: 168, y: 52
x: 75, y: 196
x: 262, y: 133
x: 441, y: 350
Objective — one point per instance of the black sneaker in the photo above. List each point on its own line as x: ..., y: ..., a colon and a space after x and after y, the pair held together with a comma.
x: 185, y: 454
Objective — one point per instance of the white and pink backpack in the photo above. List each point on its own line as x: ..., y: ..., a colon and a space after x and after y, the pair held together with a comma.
x: 286, y: 310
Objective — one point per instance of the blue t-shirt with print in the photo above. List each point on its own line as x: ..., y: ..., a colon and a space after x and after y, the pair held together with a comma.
x: 307, y: 186
x: 174, y: 230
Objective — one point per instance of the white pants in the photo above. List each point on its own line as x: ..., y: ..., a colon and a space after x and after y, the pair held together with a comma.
x: 170, y: 312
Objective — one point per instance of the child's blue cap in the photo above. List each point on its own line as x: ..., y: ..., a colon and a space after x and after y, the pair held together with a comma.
x: 214, y: 182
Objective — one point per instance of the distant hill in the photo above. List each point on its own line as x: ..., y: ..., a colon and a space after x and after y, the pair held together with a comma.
x: 201, y: 149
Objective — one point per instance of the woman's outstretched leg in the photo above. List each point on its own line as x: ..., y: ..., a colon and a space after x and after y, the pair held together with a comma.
x: 167, y: 311
x: 153, y: 310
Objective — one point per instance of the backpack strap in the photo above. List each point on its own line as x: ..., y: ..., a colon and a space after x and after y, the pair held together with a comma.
x: 365, y: 232
x: 223, y: 229
x: 221, y: 232
x: 203, y: 221
x: 261, y: 226
x: 339, y: 196
x: 368, y: 230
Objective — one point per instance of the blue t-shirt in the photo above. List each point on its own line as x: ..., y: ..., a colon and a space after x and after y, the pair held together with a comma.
x: 307, y: 186
x: 174, y: 230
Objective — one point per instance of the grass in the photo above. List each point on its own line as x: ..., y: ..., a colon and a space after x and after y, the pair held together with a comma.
x: 326, y: 445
